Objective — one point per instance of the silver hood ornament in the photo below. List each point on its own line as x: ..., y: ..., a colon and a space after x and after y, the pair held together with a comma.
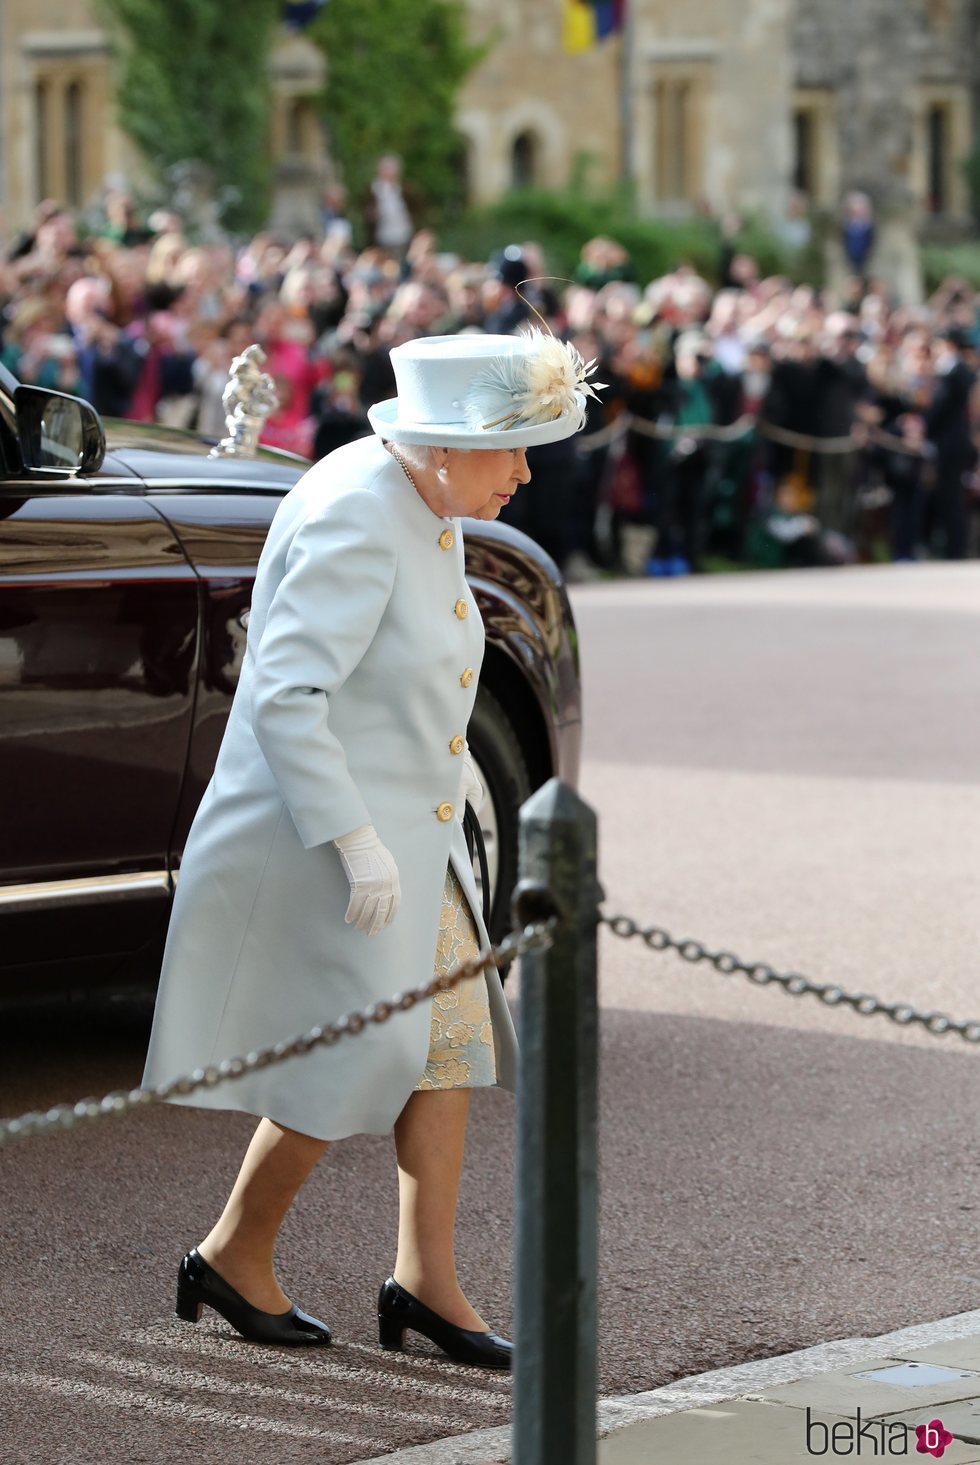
x: 248, y: 399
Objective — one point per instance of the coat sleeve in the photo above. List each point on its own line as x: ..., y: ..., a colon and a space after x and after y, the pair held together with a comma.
x: 339, y: 573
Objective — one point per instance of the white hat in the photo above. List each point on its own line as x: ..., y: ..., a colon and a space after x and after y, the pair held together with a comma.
x: 485, y: 391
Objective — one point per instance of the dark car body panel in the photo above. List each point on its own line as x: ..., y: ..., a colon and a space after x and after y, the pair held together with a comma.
x: 123, y: 611
x: 99, y: 626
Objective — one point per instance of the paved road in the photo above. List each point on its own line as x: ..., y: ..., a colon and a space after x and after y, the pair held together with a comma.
x: 786, y: 765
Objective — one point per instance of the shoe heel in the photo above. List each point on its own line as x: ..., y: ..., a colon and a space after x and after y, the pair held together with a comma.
x: 391, y: 1334
x: 189, y: 1307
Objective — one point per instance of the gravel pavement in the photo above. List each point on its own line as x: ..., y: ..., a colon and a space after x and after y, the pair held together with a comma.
x: 787, y: 766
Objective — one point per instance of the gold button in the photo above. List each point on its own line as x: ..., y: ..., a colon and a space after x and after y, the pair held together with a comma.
x: 444, y: 813
x: 467, y: 677
x: 446, y: 539
x: 457, y: 745
x: 462, y: 609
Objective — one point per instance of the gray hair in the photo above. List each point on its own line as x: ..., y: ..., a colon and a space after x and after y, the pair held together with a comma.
x: 419, y: 455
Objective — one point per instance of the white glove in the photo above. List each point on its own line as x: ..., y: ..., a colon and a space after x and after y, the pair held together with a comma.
x: 375, y: 890
x: 471, y: 789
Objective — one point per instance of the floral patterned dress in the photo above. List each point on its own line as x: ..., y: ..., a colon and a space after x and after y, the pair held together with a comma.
x: 461, y: 1053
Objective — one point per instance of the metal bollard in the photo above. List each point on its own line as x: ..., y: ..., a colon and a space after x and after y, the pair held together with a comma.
x: 556, y: 1205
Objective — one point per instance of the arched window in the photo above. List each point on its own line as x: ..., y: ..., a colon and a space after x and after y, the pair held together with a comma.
x: 524, y: 161
x: 74, y: 136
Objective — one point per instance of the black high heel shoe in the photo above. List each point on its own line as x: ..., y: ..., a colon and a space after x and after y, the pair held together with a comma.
x: 398, y: 1310
x: 199, y: 1284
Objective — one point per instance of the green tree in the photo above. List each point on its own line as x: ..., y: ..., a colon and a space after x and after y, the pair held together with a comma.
x: 394, y: 71
x: 194, y: 86
x: 971, y: 167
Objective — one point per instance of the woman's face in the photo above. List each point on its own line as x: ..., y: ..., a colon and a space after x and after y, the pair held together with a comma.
x: 480, y: 482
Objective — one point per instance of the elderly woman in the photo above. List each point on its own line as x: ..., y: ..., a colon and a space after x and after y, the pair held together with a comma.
x: 327, y: 866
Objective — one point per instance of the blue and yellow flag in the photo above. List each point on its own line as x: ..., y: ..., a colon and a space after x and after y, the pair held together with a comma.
x: 587, y: 21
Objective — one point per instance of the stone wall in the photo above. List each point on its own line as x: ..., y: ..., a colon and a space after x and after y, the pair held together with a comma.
x: 527, y: 88
x: 736, y: 126
x: 58, y: 133
x: 722, y: 93
x: 720, y: 96
x: 708, y: 84
x: 894, y: 68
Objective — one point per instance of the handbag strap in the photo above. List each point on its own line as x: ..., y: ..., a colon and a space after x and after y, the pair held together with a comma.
x: 476, y: 846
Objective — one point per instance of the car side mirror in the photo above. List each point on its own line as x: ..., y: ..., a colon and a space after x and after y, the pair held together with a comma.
x: 58, y: 433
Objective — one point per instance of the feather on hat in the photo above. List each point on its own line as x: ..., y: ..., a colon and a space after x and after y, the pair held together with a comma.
x: 533, y: 387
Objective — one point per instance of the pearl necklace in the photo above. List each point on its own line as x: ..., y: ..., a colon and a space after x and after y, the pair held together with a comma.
x: 405, y: 469
x: 408, y: 474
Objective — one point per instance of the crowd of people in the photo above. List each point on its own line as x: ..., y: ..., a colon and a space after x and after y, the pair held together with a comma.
x: 751, y: 420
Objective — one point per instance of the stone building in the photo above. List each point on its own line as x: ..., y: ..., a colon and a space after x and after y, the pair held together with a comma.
x: 711, y: 103
x: 58, y: 137
x: 694, y: 101
x: 885, y: 100
x: 734, y: 105
x: 58, y: 131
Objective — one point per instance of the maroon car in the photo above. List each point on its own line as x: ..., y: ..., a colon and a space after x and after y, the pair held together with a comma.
x: 127, y: 556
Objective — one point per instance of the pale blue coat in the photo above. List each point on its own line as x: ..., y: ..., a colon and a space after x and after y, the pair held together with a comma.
x: 349, y: 698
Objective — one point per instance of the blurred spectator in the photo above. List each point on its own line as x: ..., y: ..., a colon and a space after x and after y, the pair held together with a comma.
x: 164, y: 390
x: 840, y: 383
x: 35, y: 352
x: 333, y: 215
x: 948, y: 429
x: 794, y: 229
x: 904, y: 472
x: 388, y: 208
x: 504, y: 310
x: 858, y: 231
x: 713, y: 439
x: 544, y: 514
x: 286, y: 336
x: 25, y: 242
x: 109, y: 364
x: 603, y: 260
x: 341, y: 419
x: 122, y: 222
x: 681, y: 479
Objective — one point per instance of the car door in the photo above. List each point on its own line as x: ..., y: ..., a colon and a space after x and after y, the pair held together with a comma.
x: 99, y: 627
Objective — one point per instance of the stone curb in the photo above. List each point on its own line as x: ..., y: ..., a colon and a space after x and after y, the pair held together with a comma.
x: 492, y: 1446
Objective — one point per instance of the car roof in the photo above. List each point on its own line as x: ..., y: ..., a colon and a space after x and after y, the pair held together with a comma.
x: 166, y: 454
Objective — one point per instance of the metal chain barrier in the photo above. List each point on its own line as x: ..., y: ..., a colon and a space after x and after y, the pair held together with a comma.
x: 793, y: 983
x: 710, y: 432
x: 865, y: 435
x: 537, y: 936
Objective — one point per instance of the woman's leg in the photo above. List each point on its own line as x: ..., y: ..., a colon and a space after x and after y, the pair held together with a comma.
x: 240, y: 1244
x: 430, y: 1133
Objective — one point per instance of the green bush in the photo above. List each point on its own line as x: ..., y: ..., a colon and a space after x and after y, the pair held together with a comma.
x: 971, y: 168
x: 939, y: 261
x: 562, y: 221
